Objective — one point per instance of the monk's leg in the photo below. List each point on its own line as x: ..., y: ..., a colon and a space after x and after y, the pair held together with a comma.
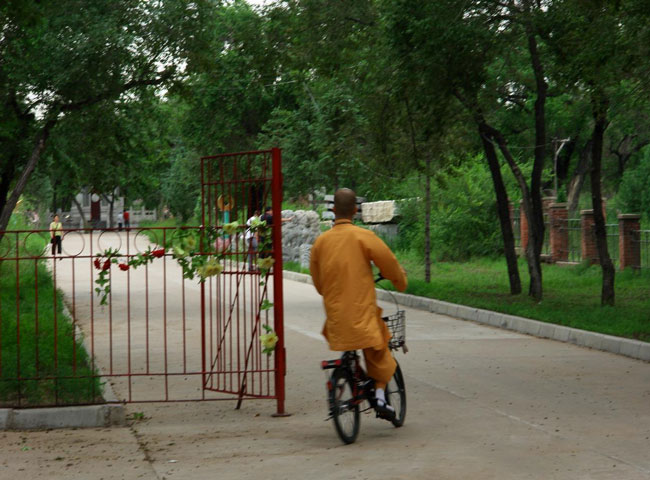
x: 380, y: 365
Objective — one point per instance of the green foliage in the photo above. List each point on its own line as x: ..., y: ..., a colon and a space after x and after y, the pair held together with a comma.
x: 464, y: 222
x: 464, y: 219
x: 181, y: 183
x: 634, y: 191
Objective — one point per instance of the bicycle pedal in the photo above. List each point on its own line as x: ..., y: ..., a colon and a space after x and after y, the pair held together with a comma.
x: 384, y: 413
x: 390, y: 416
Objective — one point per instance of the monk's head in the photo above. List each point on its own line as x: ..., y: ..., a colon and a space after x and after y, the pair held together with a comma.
x: 345, y: 203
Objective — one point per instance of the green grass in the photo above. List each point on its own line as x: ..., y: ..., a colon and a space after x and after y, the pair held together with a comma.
x: 571, y: 294
x: 294, y: 267
x: 31, y: 372
x: 168, y: 222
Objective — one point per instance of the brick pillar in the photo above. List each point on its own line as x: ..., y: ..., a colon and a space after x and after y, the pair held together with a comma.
x: 559, y: 233
x: 547, y: 202
x: 588, y: 237
x: 629, y: 247
x: 523, y: 228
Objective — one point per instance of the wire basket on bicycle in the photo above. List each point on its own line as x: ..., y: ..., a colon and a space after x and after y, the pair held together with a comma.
x: 397, y: 325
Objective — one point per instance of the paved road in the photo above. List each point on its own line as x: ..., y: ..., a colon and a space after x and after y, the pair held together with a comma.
x: 482, y: 403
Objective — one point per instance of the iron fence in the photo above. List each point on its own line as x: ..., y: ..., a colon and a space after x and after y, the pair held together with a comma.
x: 88, y: 325
x: 574, y: 231
x: 546, y: 246
x: 516, y: 227
x: 642, y: 238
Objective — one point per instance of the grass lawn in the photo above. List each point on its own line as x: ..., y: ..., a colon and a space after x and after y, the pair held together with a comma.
x: 32, y: 373
x: 571, y: 294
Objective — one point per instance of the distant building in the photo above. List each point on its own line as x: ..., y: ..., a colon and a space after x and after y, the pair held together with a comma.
x: 96, y: 210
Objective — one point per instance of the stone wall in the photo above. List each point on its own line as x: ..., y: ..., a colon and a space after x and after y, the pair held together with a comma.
x: 298, y: 235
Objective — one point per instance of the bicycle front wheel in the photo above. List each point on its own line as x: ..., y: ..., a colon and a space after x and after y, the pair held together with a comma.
x: 345, y: 408
x: 396, y: 396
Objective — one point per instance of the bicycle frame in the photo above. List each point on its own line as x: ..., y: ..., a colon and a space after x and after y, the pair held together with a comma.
x: 363, y: 385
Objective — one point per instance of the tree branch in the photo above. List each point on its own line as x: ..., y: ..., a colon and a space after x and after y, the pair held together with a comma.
x: 143, y: 82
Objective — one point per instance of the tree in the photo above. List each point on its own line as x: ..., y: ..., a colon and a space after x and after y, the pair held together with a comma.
x: 64, y: 56
x: 437, y: 45
x: 592, y: 44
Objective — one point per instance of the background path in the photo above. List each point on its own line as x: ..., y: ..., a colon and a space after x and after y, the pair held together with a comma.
x: 483, y: 403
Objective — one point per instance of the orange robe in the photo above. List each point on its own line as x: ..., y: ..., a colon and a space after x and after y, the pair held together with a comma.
x: 341, y: 270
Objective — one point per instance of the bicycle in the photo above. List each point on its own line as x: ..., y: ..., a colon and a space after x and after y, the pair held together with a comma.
x: 349, y: 386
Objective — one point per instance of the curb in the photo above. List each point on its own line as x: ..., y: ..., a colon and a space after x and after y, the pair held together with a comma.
x: 90, y: 416
x: 597, y: 341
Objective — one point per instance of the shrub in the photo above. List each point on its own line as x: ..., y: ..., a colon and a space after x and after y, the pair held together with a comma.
x: 464, y: 220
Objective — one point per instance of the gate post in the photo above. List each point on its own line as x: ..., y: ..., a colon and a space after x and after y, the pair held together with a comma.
x: 559, y: 234
x: 628, y: 241
x: 278, y: 300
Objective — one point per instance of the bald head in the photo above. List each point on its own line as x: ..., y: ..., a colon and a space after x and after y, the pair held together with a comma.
x: 345, y: 203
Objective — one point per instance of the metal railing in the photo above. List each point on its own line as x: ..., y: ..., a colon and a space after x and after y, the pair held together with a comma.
x: 516, y: 227
x: 575, y: 238
x: 642, y: 237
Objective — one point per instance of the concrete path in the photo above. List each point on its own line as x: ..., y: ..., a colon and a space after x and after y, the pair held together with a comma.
x: 483, y: 403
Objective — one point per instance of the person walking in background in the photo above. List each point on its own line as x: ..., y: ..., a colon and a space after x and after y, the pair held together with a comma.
x: 127, y: 223
x: 56, y: 232
x: 268, y: 218
x: 251, y: 240
x: 120, y: 221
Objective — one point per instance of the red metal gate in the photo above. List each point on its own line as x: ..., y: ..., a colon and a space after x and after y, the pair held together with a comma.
x: 156, y: 336
x: 234, y: 304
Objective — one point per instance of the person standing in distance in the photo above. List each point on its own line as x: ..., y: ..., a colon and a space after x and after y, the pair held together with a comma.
x: 267, y: 217
x: 56, y: 232
x: 127, y: 222
x: 341, y: 269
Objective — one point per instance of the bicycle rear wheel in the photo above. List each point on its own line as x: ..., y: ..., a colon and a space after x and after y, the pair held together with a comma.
x: 396, y: 396
x: 345, y: 409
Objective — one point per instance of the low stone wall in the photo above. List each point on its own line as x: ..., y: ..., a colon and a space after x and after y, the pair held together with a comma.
x: 298, y: 235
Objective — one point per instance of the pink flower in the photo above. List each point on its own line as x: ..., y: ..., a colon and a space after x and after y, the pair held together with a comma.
x: 158, y: 253
x: 97, y: 263
x: 107, y: 264
x: 123, y: 266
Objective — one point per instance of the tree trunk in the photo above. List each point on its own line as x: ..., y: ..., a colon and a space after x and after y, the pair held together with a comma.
x: 427, y: 220
x: 81, y: 212
x: 5, y: 182
x: 578, y: 179
x: 111, y: 203
x: 37, y: 150
x: 536, y: 227
x: 504, y: 212
x: 532, y: 255
x: 600, y: 105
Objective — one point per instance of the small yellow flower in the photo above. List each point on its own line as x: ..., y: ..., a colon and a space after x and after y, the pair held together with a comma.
x: 213, y: 267
x: 265, y: 263
x: 190, y: 243
x: 269, y: 341
x: 231, y: 228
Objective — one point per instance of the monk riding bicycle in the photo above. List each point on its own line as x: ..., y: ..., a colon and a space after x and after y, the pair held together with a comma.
x: 341, y: 268
x: 349, y: 387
